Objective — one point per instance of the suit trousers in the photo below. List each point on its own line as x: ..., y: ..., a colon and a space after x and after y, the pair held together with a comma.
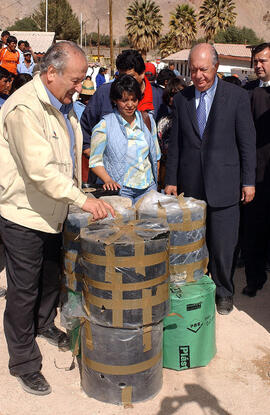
x: 222, y: 227
x: 256, y: 236
x: 33, y: 280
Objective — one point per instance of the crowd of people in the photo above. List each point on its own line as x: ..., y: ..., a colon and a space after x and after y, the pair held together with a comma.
x: 138, y: 132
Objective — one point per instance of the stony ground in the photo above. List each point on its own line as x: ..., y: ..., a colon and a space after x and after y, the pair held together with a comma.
x: 236, y: 382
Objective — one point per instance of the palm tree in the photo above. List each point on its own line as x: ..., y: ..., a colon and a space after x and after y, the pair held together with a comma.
x: 168, y: 45
x: 183, y: 25
x: 216, y: 15
x: 144, y: 25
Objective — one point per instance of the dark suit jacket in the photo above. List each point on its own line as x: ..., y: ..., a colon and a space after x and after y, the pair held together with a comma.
x: 213, y: 167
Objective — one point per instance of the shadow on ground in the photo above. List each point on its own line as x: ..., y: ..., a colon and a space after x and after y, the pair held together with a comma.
x: 258, y: 307
x: 195, y: 393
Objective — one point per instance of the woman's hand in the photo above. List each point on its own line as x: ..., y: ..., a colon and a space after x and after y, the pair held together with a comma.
x: 111, y: 185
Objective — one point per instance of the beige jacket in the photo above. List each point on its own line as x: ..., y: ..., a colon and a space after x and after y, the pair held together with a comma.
x: 36, y: 182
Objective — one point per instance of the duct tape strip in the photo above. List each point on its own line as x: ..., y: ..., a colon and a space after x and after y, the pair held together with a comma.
x: 122, y: 370
x: 162, y: 295
x: 129, y: 229
x: 186, y: 210
x: 71, y: 256
x: 147, y: 319
x: 127, y: 397
x: 185, y: 249
x: 189, y: 269
x: 128, y: 287
x: 88, y: 335
x: 147, y: 338
x: 188, y: 226
x: 123, y: 261
x: 117, y: 295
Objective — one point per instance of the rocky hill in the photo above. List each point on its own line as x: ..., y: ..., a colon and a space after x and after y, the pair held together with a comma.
x: 250, y: 13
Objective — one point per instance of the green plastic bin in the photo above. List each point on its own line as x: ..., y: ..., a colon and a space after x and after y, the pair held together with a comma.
x: 189, y: 338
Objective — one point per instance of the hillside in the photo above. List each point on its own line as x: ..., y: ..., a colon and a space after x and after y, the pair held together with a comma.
x: 249, y: 13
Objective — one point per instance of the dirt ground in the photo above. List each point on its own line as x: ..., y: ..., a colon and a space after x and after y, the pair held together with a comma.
x: 236, y: 382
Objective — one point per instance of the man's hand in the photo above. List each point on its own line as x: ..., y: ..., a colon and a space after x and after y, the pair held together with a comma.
x: 98, y: 208
x: 171, y: 190
x: 111, y: 185
x: 248, y: 193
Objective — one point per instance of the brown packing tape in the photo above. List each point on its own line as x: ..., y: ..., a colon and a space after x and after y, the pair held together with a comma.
x: 189, y: 269
x: 122, y: 370
x: 187, y: 226
x: 127, y: 396
x: 128, y: 287
x: 185, y: 249
x: 72, y: 276
x: 117, y: 295
x: 71, y: 256
x: 129, y: 229
x: 129, y: 262
x: 133, y: 304
x: 185, y: 208
x: 147, y: 338
x: 88, y: 335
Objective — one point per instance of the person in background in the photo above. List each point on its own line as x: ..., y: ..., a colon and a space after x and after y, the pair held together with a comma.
x: 150, y: 71
x: 130, y: 62
x: 164, y: 124
x: 40, y: 177
x: 26, y: 66
x: 100, y: 78
x: 232, y: 79
x: 256, y: 216
x: 20, y: 80
x: 4, y: 36
x: 172, y: 68
x: 4, y: 85
x: 28, y: 48
x: 124, y: 147
x: 9, y: 56
x: 21, y: 49
x: 160, y: 108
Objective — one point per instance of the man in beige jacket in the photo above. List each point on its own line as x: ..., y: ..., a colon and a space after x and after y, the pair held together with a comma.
x: 40, y: 158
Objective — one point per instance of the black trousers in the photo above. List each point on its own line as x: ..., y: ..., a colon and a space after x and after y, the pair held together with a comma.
x: 222, y: 227
x: 256, y: 236
x: 33, y: 280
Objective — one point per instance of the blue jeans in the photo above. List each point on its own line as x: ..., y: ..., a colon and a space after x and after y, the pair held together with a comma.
x: 136, y: 194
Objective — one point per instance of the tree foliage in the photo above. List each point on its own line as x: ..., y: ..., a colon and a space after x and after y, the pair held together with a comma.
x: 216, y: 15
x: 25, y: 24
x: 61, y: 19
x: 183, y: 25
x: 143, y: 25
x: 168, y: 45
x: 242, y: 35
x: 104, y: 40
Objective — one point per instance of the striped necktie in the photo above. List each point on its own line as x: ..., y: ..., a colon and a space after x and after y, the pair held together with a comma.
x: 201, y: 113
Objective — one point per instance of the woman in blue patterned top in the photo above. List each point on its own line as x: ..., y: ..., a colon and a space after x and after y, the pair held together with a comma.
x: 124, y: 148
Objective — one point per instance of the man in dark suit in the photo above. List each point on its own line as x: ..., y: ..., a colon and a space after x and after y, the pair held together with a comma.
x: 212, y: 148
x: 256, y: 216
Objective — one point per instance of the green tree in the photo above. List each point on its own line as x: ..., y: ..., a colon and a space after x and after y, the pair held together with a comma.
x: 242, y: 35
x: 25, y: 24
x: 216, y: 15
x: 144, y: 24
x: 183, y: 25
x: 168, y: 45
x: 61, y: 19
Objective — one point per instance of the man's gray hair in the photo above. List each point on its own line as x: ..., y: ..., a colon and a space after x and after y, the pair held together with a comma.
x: 57, y: 55
x: 213, y: 51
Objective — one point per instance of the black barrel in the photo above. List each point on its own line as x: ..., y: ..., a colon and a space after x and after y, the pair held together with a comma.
x: 76, y: 220
x: 121, y: 366
x: 186, y: 219
x: 126, y: 278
